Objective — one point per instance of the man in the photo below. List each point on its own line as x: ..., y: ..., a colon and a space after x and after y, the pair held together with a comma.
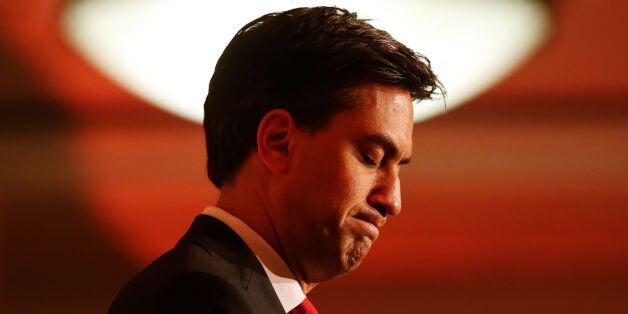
x: 307, y: 120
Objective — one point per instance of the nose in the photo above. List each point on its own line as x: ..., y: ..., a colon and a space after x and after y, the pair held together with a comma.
x: 386, y: 195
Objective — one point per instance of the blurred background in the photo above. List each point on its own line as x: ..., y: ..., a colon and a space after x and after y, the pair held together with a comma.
x: 515, y: 202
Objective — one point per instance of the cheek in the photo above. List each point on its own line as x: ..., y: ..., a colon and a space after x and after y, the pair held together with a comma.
x: 351, y: 185
x: 330, y: 186
x: 356, y: 178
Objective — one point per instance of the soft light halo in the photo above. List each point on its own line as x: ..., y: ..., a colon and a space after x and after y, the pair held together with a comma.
x: 164, y: 51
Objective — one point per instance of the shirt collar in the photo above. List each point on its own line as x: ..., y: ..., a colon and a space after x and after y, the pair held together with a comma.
x: 281, y: 277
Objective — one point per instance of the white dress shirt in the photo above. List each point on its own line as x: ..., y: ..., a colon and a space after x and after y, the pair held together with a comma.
x: 281, y: 277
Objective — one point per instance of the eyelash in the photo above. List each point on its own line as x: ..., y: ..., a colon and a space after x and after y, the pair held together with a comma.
x: 368, y: 160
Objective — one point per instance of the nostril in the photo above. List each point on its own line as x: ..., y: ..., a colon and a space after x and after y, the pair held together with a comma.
x: 381, y: 209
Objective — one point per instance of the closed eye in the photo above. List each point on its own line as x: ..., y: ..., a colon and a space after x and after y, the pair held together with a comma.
x: 368, y: 160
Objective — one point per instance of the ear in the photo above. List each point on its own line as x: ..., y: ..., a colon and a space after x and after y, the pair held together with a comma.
x: 274, y: 136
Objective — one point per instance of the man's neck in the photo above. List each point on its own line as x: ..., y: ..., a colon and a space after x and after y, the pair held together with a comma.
x: 252, y: 209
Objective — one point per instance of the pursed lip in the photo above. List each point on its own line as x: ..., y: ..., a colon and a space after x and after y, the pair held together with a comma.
x: 371, y: 216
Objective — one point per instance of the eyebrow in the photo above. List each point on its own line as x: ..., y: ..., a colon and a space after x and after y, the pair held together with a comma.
x: 389, y: 146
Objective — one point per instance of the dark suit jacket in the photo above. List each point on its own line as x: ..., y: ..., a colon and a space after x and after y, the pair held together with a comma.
x: 210, y: 270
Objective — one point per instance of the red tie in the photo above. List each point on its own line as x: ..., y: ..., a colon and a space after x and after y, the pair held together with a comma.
x: 306, y: 307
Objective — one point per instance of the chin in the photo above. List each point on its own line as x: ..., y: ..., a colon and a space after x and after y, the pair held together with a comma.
x: 357, y: 253
x: 348, y: 262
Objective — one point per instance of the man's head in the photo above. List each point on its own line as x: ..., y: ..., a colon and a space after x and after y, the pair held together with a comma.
x: 319, y: 104
x: 332, y: 190
x: 305, y: 61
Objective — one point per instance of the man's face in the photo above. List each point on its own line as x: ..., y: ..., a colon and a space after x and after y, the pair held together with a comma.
x: 343, y: 183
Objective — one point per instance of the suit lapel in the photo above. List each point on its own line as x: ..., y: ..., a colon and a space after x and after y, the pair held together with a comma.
x: 218, y: 239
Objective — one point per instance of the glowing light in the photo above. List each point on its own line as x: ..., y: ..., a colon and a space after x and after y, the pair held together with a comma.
x: 165, y: 50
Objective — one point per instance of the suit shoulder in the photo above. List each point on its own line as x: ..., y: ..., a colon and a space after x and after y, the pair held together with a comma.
x: 210, y: 270
x: 185, y: 272
x: 200, y: 292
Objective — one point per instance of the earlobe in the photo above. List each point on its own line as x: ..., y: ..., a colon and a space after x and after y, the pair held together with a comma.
x: 274, y: 134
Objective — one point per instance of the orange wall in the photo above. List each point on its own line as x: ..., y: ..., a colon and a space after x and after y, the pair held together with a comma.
x: 514, y: 203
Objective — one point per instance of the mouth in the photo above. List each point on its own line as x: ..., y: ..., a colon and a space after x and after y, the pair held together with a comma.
x: 372, y: 222
x: 371, y: 216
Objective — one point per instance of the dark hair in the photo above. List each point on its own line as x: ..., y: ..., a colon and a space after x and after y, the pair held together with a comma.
x: 304, y: 61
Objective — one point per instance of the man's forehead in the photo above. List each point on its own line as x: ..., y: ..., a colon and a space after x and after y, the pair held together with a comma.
x: 385, y: 115
x: 377, y: 93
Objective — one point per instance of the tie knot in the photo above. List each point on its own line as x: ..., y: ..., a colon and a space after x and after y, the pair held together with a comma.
x: 306, y: 307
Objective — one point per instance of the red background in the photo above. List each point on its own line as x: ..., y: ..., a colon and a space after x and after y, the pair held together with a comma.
x: 514, y: 203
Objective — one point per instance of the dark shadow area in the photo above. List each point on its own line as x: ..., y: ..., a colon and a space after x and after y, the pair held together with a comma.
x: 55, y: 257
